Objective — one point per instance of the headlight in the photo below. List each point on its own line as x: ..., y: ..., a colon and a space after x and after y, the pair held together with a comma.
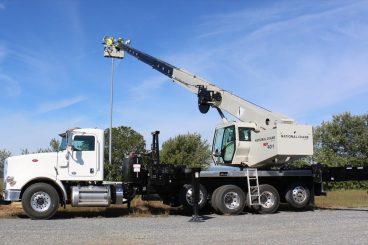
x: 10, y: 180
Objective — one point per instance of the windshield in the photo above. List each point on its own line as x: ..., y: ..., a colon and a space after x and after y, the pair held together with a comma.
x: 63, y: 143
x: 216, y: 147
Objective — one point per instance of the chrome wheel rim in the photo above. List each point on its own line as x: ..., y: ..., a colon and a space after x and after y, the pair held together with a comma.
x: 232, y: 200
x: 299, y: 194
x: 267, y: 199
x: 40, y: 201
x: 189, y: 196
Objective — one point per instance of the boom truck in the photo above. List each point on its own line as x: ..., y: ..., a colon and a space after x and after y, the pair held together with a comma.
x: 257, y: 150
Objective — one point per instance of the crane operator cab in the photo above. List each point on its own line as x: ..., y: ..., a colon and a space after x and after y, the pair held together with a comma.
x: 244, y: 144
x: 232, y: 143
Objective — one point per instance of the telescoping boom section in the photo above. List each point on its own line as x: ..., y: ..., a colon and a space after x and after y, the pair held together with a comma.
x: 259, y: 137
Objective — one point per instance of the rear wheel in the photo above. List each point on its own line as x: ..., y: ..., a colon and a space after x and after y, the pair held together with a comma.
x: 270, y: 200
x: 213, y: 199
x: 298, y: 195
x: 186, y: 197
x: 40, y: 201
x: 230, y: 200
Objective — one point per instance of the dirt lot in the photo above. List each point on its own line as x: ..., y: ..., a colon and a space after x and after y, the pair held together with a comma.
x: 284, y: 227
x: 161, y: 224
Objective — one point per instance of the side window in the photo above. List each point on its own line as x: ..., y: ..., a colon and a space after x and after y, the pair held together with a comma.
x: 84, y: 143
x: 244, y: 134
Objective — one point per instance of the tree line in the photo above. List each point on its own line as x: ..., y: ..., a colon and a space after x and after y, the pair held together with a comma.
x: 343, y: 141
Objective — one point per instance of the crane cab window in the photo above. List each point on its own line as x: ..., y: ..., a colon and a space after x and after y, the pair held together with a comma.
x: 224, y: 145
x: 84, y: 143
x: 229, y: 136
x: 228, y: 144
x: 244, y: 134
x: 217, y: 144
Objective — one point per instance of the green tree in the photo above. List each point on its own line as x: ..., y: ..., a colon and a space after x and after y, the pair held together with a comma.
x: 54, y: 144
x: 24, y: 151
x: 343, y: 141
x: 190, y: 150
x: 4, y: 154
x: 124, y: 141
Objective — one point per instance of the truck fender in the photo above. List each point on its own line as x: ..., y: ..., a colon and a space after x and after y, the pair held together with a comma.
x: 57, y: 184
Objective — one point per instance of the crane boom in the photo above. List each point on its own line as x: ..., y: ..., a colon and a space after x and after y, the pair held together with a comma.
x: 259, y: 137
x: 209, y: 95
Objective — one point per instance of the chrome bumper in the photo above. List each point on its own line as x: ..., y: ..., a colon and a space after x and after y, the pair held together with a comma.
x: 11, y: 195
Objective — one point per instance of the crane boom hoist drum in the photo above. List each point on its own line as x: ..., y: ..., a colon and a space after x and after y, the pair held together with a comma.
x: 206, y: 98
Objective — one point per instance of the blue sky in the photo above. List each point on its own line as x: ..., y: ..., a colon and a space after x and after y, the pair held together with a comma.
x: 305, y: 59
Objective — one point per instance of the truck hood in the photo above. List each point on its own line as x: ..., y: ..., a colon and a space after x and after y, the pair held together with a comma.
x: 40, y: 158
x: 27, y: 167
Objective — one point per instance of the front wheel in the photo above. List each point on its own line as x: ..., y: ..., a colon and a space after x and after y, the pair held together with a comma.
x: 40, y: 201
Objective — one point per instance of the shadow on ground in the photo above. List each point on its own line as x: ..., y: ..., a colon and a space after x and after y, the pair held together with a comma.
x: 345, y: 209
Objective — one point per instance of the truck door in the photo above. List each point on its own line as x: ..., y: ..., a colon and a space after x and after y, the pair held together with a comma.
x: 83, y: 158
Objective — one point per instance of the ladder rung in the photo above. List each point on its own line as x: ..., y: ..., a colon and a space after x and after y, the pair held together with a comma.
x: 253, y: 186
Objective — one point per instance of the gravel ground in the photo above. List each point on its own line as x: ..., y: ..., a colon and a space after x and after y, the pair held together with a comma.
x: 311, y: 227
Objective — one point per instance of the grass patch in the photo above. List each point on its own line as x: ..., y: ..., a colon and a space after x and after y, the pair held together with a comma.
x: 343, y: 199
x: 139, y: 208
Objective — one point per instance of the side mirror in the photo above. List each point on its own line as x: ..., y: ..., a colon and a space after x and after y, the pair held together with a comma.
x: 217, y: 157
x: 216, y: 153
x: 70, y: 148
x: 69, y: 151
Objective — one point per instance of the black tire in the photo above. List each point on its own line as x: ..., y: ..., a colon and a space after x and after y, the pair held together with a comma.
x: 185, y: 197
x: 298, y: 195
x: 213, y: 199
x: 230, y: 200
x: 40, y: 201
x: 270, y: 200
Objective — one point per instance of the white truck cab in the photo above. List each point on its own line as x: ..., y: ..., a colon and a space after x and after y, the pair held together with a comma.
x: 42, y: 176
x: 80, y: 156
